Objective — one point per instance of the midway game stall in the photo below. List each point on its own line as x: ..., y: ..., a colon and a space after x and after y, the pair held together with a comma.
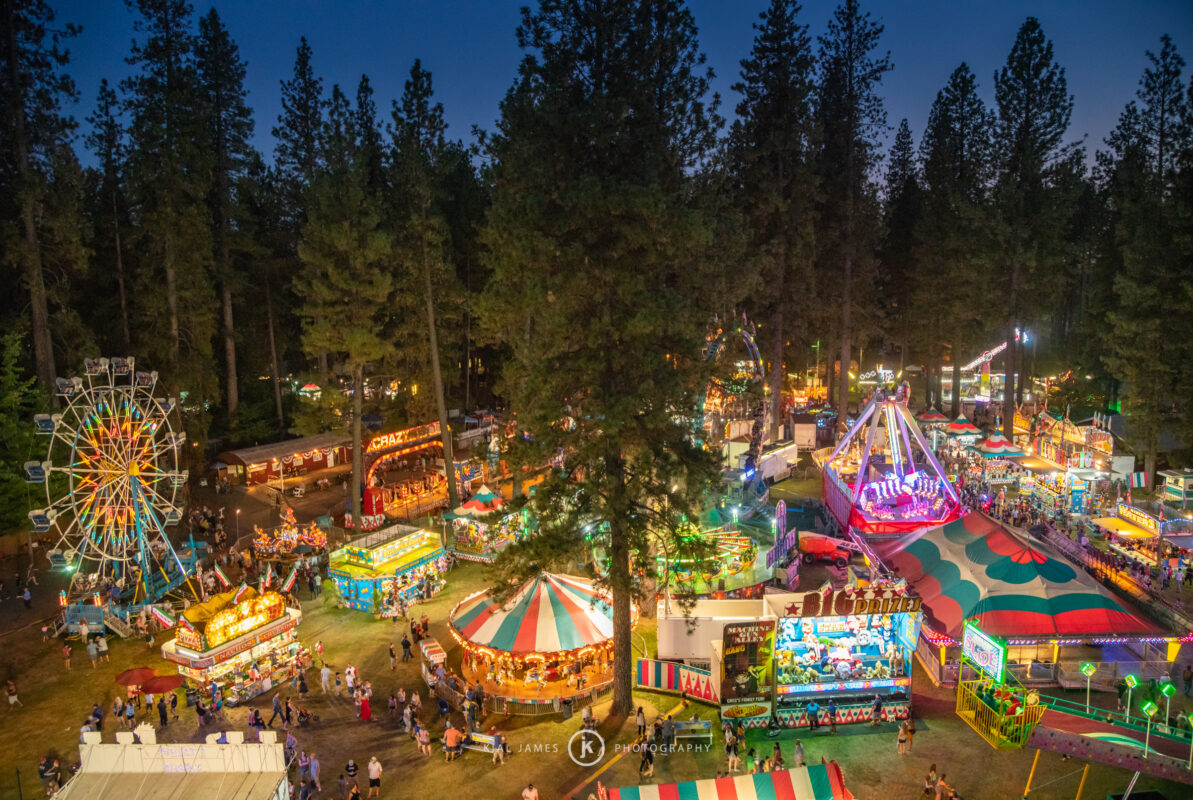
x: 1134, y: 533
x: 400, y: 561
x: 847, y: 647
x: 882, y: 478
x: 280, y: 460
x: 746, y: 666
x: 815, y: 782
x: 400, y: 472
x: 242, y: 642
x: 480, y: 529
x: 1013, y: 588
x: 551, y: 641
x: 996, y: 451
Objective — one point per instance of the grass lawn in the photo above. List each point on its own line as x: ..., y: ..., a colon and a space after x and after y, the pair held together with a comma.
x: 57, y: 700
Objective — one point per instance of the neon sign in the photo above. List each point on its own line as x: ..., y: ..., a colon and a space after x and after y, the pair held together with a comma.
x: 385, y: 441
x: 1136, y: 517
x: 233, y: 622
x: 804, y: 688
x: 984, y: 651
x: 984, y: 357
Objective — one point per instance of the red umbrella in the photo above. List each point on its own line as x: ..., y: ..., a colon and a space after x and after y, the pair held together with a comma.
x: 160, y: 684
x: 135, y: 676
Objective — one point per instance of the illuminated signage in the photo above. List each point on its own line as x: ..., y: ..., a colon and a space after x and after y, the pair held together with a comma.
x: 387, y: 441
x: 984, y: 651
x: 842, y: 686
x: 1136, y: 517
x: 835, y: 604
x: 233, y: 622
x: 264, y: 634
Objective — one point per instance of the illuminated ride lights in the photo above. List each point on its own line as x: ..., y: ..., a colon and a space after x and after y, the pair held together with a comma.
x: 113, y: 478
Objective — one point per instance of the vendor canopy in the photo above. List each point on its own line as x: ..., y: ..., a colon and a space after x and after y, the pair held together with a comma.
x: 974, y: 568
x: 816, y: 782
x: 550, y: 614
x: 932, y: 416
x: 962, y: 427
x: 997, y: 445
x: 481, y: 503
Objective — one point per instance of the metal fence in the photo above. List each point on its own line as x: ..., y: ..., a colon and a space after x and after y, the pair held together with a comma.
x: 1002, y: 731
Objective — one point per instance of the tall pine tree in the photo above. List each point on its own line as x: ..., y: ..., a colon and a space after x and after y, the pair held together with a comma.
x: 596, y: 245
x: 772, y: 154
x: 108, y: 143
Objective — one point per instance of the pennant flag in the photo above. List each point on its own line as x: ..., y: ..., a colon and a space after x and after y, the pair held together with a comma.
x: 219, y: 573
x: 161, y: 616
x: 1138, y: 480
x: 186, y: 623
x: 269, y: 575
x: 289, y: 584
x: 240, y: 593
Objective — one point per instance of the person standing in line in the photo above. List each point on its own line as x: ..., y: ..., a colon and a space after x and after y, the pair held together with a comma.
x: 93, y: 653
x: 162, y: 711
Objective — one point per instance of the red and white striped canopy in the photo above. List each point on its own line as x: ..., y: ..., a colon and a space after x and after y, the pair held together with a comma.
x: 481, y: 503
x: 998, y: 445
x: 962, y: 427
x: 550, y: 614
x: 932, y: 416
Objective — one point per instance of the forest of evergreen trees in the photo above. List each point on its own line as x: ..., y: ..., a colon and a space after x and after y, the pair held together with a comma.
x: 611, y: 207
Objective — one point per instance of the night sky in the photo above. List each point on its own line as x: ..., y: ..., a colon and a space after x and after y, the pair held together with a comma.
x: 469, y: 47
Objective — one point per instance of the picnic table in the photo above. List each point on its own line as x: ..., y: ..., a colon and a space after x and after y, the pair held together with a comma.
x: 693, y: 729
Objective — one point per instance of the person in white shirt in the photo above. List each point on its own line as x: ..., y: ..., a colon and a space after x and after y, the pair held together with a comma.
x: 530, y: 793
x: 374, y: 777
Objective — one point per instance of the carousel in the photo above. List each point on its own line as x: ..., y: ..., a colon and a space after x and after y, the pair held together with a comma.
x: 289, y: 540
x: 480, y: 528
x: 552, y: 639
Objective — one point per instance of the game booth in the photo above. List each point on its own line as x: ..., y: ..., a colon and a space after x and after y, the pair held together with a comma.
x: 1016, y: 588
x: 479, y: 530
x: 372, y: 572
x: 242, y: 641
x: 883, y: 478
x: 551, y: 639
x: 823, y: 781
x: 846, y: 647
x: 997, y: 451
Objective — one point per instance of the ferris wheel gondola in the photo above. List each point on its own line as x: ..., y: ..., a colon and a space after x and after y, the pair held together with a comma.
x: 113, y: 481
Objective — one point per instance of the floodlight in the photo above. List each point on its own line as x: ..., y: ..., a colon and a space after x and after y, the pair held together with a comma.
x: 1149, y: 708
x: 1131, y: 681
x: 1088, y: 669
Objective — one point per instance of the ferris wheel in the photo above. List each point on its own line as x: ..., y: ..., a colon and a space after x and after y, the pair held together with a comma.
x: 112, y: 482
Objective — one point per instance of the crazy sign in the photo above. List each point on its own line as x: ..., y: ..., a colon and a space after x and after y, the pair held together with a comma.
x: 984, y: 651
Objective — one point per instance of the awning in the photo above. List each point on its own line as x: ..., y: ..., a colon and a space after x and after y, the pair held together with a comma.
x: 816, y: 782
x: 1123, y: 528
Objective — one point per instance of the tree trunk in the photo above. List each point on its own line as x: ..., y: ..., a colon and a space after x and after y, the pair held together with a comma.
x: 1008, y: 386
x: 776, y: 373
x: 324, y: 371
x: 621, y: 584
x: 445, y: 431
x: 124, y: 328
x: 273, y: 357
x: 172, y: 302
x: 358, y: 391
x: 43, y: 346
x: 956, y: 407
x: 230, y: 351
x: 846, y: 331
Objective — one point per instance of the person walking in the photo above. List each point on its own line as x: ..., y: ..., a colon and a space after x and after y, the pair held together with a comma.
x: 101, y: 647
x: 498, y: 747
x: 163, y: 711
x: 393, y: 657
x: 406, y: 654
x: 903, y: 739
x: 11, y: 691
x: 66, y: 654
x: 325, y: 679
x: 27, y: 597
x: 798, y: 756
x: 315, y: 771
x: 375, y: 771
x: 910, y: 733
x: 1187, y: 675
x: 277, y: 712
x: 174, y: 704
x: 640, y: 718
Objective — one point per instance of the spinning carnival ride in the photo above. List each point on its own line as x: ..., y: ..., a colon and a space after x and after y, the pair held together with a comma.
x: 883, y: 478
x: 112, y: 476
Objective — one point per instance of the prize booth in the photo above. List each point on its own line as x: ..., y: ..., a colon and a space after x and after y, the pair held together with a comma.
x: 480, y: 530
x: 241, y: 641
x: 845, y: 646
x: 431, y: 656
x: 372, y: 572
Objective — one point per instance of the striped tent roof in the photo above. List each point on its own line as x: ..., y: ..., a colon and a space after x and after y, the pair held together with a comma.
x: 974, y: 568
x: 815, y: 782
x: 932, y: 415
x: 550, y: 614
x: 962, y: 427
x: 997, y: 445
x: 481, y: 503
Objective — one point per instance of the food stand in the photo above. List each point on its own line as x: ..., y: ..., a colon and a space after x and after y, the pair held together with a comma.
x: 847, y: 647
x: 241, y: 641
x: 372, y: 572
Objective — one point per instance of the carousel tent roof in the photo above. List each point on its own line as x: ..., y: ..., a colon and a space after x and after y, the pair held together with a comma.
x: 974, y: 568
x: 481, y: 503
x: 997, y: 445
x: 932, y: 415
x: 813, y: 782
x: 550, y: 614
x: 962, y: 427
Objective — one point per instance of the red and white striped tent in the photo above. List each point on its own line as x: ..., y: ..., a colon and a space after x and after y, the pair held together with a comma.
x: 932, y: 417
x: 816, y: 782
x: 962, y: 427
x: 997, y: 445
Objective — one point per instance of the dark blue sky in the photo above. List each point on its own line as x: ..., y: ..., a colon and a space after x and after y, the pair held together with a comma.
x: 470, y: 49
